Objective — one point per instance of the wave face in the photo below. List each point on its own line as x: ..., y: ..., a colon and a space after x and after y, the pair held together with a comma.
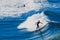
x: 18, y: 27
x: 9, y: 30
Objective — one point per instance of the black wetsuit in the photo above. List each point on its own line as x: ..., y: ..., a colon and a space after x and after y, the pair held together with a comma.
x: 38, y: 24
x: 40, y: 30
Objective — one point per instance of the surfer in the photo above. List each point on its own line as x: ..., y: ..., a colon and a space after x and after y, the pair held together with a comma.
x: 38, y: 24
x: 24, y: 5
x: 39, y: 30
x: 21, y: 6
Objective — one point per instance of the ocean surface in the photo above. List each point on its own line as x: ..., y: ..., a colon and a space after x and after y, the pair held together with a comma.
x: 9, y: 31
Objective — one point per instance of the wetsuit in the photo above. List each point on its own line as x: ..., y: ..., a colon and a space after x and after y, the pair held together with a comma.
x: 38, y: 24
x: 40, y: 30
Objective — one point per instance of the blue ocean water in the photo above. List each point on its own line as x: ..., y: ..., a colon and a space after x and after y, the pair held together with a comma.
x: 9, y: 31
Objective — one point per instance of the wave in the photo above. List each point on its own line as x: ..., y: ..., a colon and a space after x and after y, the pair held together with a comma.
x: 49, y: 28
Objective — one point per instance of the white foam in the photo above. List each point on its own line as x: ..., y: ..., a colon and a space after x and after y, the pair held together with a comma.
x: 14, y: 8
x: 31, y: 22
